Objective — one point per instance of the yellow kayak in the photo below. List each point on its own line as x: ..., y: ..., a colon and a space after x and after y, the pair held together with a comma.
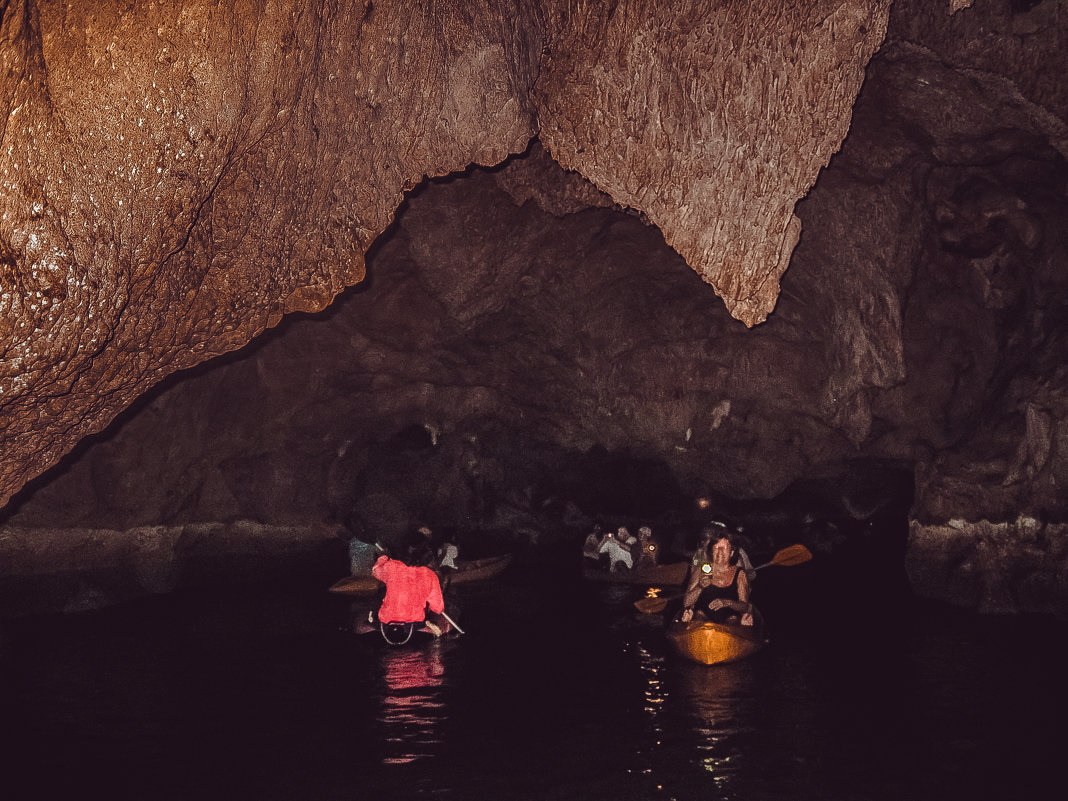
x: 715, y: 643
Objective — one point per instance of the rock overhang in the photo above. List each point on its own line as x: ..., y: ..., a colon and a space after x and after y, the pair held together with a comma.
x: 176, y: 179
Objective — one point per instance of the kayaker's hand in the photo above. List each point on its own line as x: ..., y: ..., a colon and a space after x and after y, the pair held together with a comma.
x: 716, y: 603
x: 747, y: 619
x: 687, y: 615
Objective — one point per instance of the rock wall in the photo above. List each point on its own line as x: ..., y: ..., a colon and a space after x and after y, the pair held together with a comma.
x: 48, y: 571
x: 1012, y: 566
x: 713, y: 120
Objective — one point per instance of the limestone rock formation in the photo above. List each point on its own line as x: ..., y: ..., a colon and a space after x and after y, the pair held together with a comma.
x: 713, y: 120
x: 176, y: 178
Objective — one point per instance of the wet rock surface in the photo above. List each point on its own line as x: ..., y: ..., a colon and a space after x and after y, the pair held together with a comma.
x: 1007, y: 567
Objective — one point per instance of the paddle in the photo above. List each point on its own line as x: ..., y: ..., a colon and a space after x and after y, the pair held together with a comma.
x: 790, y: 556
x: 453, y: 623
x: 787, y: 557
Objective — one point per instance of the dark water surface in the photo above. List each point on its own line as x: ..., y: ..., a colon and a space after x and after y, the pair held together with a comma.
x: 558, y: 690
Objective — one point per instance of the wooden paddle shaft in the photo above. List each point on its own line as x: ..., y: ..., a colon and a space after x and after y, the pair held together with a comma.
x: 452, y: 622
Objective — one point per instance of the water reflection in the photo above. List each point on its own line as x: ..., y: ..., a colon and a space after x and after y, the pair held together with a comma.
x: 652, y: 669
x: 718, y: 699
x: 412, y: 710
x: 654, y: 696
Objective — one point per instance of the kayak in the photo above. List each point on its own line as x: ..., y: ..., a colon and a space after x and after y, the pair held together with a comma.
x: 398, y: 634
x: 661, y: 575
x: 466, y: 570
x: 478, y: 569
x: 715, y: 643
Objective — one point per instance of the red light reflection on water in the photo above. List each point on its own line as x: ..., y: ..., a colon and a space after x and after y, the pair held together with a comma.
x: 412, y: 710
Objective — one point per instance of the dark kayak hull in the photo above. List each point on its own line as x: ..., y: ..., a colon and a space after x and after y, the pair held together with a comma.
x: 468, y: 570
x: 669, y: 575
x: 478, y: 569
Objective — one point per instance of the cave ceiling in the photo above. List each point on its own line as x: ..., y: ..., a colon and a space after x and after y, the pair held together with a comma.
x: 178, y: 177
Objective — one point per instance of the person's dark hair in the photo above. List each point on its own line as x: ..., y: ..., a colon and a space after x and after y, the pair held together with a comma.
x: 715, y: 530
x: 416, y: 556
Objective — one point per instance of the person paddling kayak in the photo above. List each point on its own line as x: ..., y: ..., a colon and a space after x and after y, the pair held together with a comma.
x: 719, y: 589
x: 413, y: 594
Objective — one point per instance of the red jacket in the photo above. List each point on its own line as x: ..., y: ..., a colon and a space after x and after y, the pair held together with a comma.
x: 408, y: 591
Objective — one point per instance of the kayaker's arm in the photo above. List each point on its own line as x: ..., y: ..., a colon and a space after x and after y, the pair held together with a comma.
x: 742, y: 604
x: 435, y: 600
x: 693, y: 592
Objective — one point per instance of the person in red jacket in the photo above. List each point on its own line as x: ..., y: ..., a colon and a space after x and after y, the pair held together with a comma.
x: 411, y: 590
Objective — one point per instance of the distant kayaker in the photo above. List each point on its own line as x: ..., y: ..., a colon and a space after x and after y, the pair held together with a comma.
x: 741, y: 556
x: 648, y: 552
x: 618, y: 548
x: 448, y: 553
x: 718, y: 589
x: 703, y: 554
x: 421, y: 545
x: 413, y: 594
x: 591, y: 547
x: 445, y: 561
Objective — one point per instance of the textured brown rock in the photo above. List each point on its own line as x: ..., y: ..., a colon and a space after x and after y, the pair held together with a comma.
x: 713, y: 122
x: 539, y: 333
x: 1020, y: 565
x: 176, y: 178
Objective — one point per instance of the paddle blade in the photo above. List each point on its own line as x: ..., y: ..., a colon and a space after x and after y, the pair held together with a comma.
x: 651, y: 606
x: 794, y: 555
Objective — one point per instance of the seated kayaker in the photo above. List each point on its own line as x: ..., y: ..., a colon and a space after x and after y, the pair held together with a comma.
x: 591, y: 547
x: 718, y: 589
x: 741, y: 557
x: 447, y: 555
x: 445, y: 561
x: 361, y: 557
x: 648, y: 552
x: 413, y: 593
x: 422, y: 544
x: 618, y: 548
x: 708, y: 536
x: 703, y: 554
